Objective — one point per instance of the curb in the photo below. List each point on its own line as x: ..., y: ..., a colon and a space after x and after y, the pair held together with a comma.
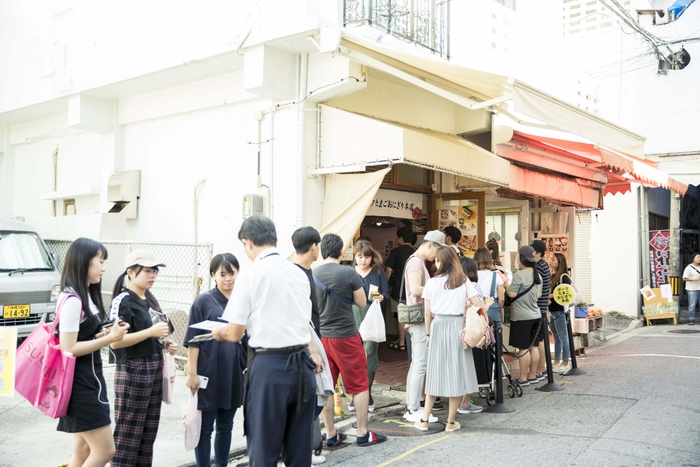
x: 634, y: 324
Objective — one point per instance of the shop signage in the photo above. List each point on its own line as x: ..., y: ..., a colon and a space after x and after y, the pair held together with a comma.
x: 564, y: 294
x: 392, y: 203
x: 8, y: 344
x: 659, y: 246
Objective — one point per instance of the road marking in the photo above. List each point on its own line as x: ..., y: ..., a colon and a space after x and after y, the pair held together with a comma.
x: 409, y: 425
x: 658, y: 355
x: 417, y: 448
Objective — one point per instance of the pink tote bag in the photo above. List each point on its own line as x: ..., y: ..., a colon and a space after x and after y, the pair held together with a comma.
x: 44, y: 374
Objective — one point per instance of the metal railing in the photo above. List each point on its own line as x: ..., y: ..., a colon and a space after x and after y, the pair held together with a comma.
x: 424, y: 22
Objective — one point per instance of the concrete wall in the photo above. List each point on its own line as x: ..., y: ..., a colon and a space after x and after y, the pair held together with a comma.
x: 615, y: 254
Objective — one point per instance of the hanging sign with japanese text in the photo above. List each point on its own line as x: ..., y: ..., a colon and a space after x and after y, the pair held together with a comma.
x: 659, y: 246
x: 392, y: 203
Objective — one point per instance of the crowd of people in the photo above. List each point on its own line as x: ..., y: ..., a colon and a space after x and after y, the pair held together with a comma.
x: 287, y: 325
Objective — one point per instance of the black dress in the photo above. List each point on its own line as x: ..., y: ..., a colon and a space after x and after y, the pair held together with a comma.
x: 88, y: 408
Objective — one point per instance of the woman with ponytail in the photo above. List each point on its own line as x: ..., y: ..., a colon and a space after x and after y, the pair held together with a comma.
x: 138, y: 379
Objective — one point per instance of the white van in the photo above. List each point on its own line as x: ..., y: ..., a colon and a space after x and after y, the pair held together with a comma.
x: 29, y: 278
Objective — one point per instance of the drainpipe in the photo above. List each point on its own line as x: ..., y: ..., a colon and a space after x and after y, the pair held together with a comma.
x: 55, y: 177
x: 301, y: 138
x: 196, y: 208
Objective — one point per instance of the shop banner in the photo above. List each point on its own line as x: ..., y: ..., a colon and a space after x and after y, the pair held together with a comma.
x: 400, y: 204
x: 8, y: 347
x: 659, y: 246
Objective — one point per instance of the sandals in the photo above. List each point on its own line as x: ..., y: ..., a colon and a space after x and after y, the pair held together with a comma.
x: 370, y: 439
x: 337, y: 439
x: 396, y: 346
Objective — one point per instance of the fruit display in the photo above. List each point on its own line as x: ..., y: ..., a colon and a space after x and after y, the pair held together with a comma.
x: 593, y: 312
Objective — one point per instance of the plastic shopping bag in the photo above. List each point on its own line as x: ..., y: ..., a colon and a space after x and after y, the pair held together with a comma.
x: 192, y: 420
x: 44, y: 374
x: 168, y: 376
x: 372, y: 327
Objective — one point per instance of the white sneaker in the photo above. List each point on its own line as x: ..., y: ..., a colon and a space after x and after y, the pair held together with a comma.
x: 563, y: 368
x: 415, y: 415
x: 315, y: 460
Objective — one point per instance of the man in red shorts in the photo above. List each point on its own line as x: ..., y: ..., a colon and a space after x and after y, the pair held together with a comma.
x: 337, y: 288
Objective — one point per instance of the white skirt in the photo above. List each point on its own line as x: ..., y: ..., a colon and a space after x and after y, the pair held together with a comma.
x: 451, y: 371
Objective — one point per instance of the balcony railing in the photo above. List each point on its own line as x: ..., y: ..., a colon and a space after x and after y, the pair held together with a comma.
x: 423, y: 22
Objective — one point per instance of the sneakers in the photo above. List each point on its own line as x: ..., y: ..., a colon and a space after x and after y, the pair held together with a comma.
x: 532, y: 380
x: 563, y: 368
x: 421, y: 424
x: 523, y: 383
x: 540, y: 377
x: 416, y: 415
x: 454, y: 426
x: 436, y: 406
x: 471, y: 408
x: 315, y: 460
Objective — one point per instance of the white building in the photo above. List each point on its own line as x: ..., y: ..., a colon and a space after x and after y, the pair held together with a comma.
x: 207, y: 105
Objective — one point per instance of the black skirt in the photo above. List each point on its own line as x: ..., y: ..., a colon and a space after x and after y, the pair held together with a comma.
x: 88, y: 408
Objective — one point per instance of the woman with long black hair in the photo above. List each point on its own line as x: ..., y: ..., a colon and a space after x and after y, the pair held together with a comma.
x: 557, y: 313
x: 80, y: 316
x: 138, y: 379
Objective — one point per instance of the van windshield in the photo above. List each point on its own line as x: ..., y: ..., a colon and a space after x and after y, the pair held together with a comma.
x: 22, y: 251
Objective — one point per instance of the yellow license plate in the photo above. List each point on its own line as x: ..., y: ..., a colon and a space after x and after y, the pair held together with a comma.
x: 15, y: 311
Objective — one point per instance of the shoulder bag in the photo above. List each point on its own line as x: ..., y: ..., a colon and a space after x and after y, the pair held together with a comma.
x: 410, y: 314
x: 475, y: 332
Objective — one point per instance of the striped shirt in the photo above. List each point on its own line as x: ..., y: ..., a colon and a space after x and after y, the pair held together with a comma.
x: 543, y: 268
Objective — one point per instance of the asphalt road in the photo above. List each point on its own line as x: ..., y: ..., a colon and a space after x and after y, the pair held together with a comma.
x: 637, y: 406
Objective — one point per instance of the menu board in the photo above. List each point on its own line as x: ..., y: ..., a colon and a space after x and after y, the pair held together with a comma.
x: 463, y: 215
x: 558, y: 243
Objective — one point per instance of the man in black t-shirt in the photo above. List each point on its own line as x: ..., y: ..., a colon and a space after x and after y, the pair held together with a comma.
x: 394, y: 271
x: 337, y: 289
x: 306, y: 242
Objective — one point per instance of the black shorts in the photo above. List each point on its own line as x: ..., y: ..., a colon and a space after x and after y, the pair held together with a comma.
x: 524, y: 333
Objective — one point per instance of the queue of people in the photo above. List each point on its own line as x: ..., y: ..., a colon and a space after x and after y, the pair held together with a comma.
x: 265, y: 358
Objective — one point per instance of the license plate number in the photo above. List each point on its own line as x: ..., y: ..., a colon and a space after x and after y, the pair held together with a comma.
x: 15, y: 311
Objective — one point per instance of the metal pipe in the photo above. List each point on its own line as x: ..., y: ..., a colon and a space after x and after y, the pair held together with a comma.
x: 301, y: 137
x: 196, y: 207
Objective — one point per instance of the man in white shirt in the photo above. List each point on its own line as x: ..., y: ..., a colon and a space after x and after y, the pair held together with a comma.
x: 691, y: 276
x: 271, y: 301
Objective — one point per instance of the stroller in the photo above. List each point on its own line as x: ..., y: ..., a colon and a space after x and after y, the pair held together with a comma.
x: 488, y: 390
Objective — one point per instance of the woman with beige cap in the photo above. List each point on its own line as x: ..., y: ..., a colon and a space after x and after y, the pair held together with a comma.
x: 138, y: 379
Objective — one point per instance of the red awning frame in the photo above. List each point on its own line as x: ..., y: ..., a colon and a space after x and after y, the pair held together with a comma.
x: 628, y: 169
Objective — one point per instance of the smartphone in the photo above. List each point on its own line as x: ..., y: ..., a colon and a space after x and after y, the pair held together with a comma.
x: 203, y: 382
x: 107, y: 324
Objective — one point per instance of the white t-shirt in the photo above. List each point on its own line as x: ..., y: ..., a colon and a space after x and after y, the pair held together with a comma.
x: 690, y: 273
x: 485, y: 279
x: 447, y: 301
x: 71, y: 313
x: 271, y: 299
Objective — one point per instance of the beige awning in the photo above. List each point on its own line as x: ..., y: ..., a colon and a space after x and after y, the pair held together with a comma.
x: 346, y: 200
x: 476, y: 89
x: 350, y: 142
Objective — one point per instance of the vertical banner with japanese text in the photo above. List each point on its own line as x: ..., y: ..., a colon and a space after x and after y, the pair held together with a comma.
x: 8, y: 348
x: 659, y: 246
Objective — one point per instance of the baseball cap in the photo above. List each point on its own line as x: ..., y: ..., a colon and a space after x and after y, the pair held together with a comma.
x: 144, y: 258
x: 527, y: 253
x: 435, y: 236
x: 539, y: 246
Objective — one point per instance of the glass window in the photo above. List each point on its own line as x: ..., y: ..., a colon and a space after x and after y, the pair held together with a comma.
x: 411, y: 175
x: 22, y: 250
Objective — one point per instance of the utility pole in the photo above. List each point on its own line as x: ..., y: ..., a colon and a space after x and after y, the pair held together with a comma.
x: 674, y: 254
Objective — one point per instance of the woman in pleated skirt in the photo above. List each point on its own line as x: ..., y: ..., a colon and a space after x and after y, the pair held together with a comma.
x: 450, y: 368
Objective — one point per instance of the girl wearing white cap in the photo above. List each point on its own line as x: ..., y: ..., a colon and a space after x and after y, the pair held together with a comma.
x: 138, y: 380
